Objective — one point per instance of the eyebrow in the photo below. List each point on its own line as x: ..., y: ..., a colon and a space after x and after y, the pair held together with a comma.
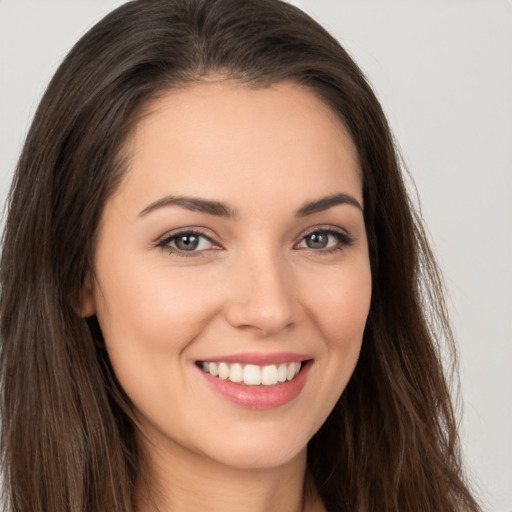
x: 219, y: 209
x: 328, y: 202
x: 193, y: 204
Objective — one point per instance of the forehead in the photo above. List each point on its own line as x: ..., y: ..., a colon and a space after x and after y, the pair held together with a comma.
x: 214, y: 138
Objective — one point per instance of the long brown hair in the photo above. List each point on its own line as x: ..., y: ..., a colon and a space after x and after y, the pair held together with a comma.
x: 67, y: 441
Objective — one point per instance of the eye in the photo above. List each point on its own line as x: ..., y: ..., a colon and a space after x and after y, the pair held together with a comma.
x: 186, y: 242
x: 326, y: 240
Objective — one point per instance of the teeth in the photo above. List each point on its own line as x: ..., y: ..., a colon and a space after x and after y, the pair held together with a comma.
x: 236, y: 373
x: 251, y: 374
x: 223, y: 371
x: 269, y: 375
x: 281, y: 373
x: 213, y: 369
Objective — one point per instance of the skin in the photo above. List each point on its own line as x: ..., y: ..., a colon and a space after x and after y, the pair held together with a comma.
x: 253, y: 285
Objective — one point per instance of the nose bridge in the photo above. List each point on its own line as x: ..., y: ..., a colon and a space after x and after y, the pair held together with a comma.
x: 262, y: 295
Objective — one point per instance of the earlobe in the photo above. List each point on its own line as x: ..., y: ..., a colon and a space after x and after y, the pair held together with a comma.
x: 87, y: 306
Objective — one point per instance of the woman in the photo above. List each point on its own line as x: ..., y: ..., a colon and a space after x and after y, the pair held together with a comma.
x: 215, y: 292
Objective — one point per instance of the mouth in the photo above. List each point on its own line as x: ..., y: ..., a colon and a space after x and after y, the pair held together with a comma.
x: 251, y: 374
x: 257, y: 381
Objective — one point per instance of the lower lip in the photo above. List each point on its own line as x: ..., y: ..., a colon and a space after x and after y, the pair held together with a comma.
x: 259, y: 397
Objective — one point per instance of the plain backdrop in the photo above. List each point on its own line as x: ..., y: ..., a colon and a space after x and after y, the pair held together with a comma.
x: 443, y: 71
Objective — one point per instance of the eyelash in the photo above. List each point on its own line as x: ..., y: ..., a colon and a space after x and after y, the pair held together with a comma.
x: 343, y: 241
x: 164, y: 243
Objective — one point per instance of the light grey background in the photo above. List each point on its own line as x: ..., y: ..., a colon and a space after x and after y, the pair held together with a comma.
x: 443, y: 71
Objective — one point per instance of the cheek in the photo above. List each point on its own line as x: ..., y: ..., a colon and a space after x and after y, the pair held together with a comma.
x: 339, y: 301
x: 153, y: 311
x: 148, y: 321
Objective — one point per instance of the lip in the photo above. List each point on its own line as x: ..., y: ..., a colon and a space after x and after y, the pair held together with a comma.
x: 258, y: 397
x: 259, y: 358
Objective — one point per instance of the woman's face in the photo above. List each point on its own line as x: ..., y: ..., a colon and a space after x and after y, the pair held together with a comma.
x: 232, y: 254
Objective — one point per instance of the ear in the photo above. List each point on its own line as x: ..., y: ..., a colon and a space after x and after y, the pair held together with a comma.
x: 87, y: 303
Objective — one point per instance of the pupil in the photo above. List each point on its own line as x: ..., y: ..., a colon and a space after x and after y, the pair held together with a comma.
x: 187, y: 242
x: 317, y: 240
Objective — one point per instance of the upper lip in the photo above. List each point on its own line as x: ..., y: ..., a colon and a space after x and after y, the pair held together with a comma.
x: 258, y: 358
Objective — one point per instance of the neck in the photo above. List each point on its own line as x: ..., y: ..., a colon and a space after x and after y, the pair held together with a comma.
x: 181, y: 481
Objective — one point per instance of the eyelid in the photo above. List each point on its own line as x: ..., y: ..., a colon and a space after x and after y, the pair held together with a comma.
x: 326, y: 228
x: 164, y: 241
x: 344, y: 238
x: 323, y: 227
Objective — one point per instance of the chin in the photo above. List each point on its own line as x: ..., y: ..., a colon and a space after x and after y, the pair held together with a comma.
x: 268, y: 446
x: 254, y: 457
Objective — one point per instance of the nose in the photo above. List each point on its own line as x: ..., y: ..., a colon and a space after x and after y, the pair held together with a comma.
x: 262, y: 299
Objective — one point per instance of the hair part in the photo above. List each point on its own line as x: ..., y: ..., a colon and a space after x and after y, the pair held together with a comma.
x: 68, y: 436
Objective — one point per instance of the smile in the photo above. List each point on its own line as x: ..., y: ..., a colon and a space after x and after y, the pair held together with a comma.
x: 252, y: 374
x: 256, y: 380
